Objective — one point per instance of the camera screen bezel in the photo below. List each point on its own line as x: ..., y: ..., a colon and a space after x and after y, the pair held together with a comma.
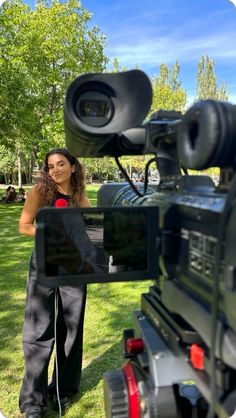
x: 150, y: 273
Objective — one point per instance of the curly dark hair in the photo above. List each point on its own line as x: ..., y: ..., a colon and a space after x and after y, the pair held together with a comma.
x: 47, y: 186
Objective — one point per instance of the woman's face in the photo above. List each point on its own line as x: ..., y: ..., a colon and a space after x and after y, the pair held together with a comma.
x: 59, y: 169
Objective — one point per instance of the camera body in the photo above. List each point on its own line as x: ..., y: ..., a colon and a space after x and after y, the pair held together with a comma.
x: 182, y: 349
x: 186, y: 327
x: 174, y: 321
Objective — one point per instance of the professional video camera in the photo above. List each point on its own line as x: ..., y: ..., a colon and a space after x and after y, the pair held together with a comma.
x: 184, y: 236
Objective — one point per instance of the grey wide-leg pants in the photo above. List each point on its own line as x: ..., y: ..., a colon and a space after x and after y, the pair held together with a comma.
x: 38, y: 339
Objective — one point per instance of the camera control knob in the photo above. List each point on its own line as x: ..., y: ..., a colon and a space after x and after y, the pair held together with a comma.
x: 115, y: 395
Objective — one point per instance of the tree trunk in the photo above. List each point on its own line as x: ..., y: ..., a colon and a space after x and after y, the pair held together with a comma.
x: 19, y: 169
x: 7, y: 178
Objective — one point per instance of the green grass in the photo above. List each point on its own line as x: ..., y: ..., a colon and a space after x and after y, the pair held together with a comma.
x: 109, y: 310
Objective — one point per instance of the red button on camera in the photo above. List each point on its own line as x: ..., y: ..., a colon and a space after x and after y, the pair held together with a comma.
x: 197, y: 357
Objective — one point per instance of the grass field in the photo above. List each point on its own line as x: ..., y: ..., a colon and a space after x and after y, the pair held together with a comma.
x: 109, y: 310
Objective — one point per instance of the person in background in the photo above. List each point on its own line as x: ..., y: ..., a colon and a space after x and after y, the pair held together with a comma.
x: 10, y: 195
x: 21, y: 196
x: 62, y: 176
x: 5, y: 194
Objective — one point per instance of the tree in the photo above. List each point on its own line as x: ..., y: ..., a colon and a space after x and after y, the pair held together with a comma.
x: 8, y: 163
x: 101, y: 168
x: 43, y: 50
x: 167, y: 91
x: 207, y: 87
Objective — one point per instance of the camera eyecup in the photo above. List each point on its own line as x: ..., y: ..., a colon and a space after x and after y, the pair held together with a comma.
x: 207, y: 135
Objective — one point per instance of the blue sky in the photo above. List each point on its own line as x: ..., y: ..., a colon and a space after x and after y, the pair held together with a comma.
x: 146, y: 33
x: 149, y: 32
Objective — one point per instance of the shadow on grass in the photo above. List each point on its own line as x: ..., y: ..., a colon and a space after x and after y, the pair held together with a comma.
x: 92, y: 376
x: 4, y: 363
x: 11, y: 315
x: 93, y: 373
x: 14, y: 256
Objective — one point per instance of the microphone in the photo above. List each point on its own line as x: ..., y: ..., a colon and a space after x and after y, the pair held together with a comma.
x: 61, y: 203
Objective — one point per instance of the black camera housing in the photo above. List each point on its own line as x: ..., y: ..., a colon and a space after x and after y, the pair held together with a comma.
x: 185, y: 329
x: 195, y: 289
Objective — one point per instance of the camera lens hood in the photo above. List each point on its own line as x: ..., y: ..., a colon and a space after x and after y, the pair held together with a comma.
x: 100, y: 106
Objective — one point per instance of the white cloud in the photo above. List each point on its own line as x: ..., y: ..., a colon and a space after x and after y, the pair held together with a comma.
x: 233, y: 1
x: 1, y: 2
x: 151, y: 39
x: 156, y: 43
x: 169, y: 49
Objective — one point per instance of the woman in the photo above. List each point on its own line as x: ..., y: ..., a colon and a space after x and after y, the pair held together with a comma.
x: 62, y: 176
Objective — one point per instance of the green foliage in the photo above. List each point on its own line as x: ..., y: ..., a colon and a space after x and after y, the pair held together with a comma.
x: 7, y: 162
x: 116, y: 66
x: 103, y: 168
x: 167, y: 91
x: 43, y: 50
x: 207, y: 87
x: 135, y: 164
x: 13, y: 78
